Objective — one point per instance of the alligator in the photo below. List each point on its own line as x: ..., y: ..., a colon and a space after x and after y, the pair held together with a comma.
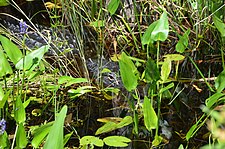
x: 62, y: 43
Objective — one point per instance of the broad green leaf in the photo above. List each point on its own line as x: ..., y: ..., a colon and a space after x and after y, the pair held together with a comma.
x: 107, y: 127
x: 4, y: 3
x: 220, y: 25
x: 161, y: 30
x: 4, y: 141
x: 21, y: 139
x: 150, y: 117
x: 125, y: 121
x: 70, y: 80
x: 165, y: 70
x: 91, y: 140
x: 55, y: 136
x: 174, y: 57
x: 31, y: 60
x: 5, y: 67
x: 183, y: 42
x: 209, y: 102
x: 128, y: 72
x: 12, y: 51
x: 151, y: 71
x: 117, y: 141
x: 19, y: 111
x: 113, y: 6
x: 40, y: 133
x: 147, y: 38
x: 220, y: 82
x: 3, y: 97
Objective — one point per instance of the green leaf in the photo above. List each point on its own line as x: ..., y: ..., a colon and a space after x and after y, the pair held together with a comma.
x: 183, y: 42
x: 21, y: 139
x: 181, y: 146
x: 67, y: 137
x: 70, y: 80
x: 91, y: 140
x: 32, y: 60
x: 191, y: 133
x: 147, y: 38
x: 4, y: 141
x: 165, y: 70
x: 220, y: 82
x: 107, y: 127
x: 98, y: 23
x: 128, y: 72
x: 157, y: 140
x: 219, y: 25
x: 19, y: 111
x: 55, y: 136
x: 113, y: 6
x: 117, y: 141
x: 151, y: 71
x: 3, y: 97
x: 209, y: 102
x: 125, y: 121
x: 166, y: 88
x: 12, y: 51
x: 5, y: 67
x: 150, y: 117
x: 4, y: 2
x: 80, y: 91
x: 40, y: 133
x: 174, y: 57
x: 161, y: 30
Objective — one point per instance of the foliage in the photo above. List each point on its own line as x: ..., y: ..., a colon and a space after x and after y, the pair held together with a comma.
x: 144, y: 39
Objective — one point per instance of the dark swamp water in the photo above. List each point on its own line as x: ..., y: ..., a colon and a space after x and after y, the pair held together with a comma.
x: 176, y: 118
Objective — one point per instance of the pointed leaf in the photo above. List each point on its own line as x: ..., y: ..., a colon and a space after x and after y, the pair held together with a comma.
x: 31, y: 60
x: 5, y: 67
x: 107, y: 127
x: 40, y: 133
x: 150, y: 117
x: 12, y: 51
x: 128, y: 72
x: 174, y: 57
x: 146, y: 38
x: 21, y: 139
x: 161, y: 30
x: 183, y: 42
x: 165, y: 70
x: 220, y: 25
x: 55, y: 136
x: 113, y: 6
x: 19, y: 111
x: 220, y: 82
